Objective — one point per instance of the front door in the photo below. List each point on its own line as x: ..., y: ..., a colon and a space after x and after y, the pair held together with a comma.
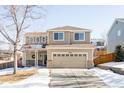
x: 42, y: 59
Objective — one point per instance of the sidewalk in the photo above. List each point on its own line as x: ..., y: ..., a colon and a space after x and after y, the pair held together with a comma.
x: 117, y: 67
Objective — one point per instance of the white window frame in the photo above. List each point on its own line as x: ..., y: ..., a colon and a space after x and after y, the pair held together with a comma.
x: 79, y: 33
x: 58, y: 40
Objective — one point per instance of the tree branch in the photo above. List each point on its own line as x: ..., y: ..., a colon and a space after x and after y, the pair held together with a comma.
x: 7, y: 36
x: 23, y: 20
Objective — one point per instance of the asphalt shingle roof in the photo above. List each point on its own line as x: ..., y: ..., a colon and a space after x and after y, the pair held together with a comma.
x: 68, y: 28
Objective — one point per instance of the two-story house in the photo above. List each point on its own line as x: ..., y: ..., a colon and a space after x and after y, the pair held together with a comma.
x: 100, y: 45
x: 67, y: 47
x: 115, y: 35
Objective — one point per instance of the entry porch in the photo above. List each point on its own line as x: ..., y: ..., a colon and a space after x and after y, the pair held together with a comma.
x: 34, y: 57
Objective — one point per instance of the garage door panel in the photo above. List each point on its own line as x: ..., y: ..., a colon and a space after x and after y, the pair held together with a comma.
x: 69, y: 60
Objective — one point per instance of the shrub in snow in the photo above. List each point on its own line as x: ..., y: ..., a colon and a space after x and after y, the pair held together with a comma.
x: 119, y: 53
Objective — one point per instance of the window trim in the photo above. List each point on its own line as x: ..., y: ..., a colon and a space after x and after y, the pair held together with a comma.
x: 79, y: 33
x: 58, y: 40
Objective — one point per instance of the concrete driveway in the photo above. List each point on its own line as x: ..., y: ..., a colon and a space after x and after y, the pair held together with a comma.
x: 74, y: 78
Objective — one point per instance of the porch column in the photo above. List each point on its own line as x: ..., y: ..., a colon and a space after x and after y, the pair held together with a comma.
x: 24, y: 58
x: 43, y: 59
x: 37, y: 57
x: 86, y: 60
x: 36, y: 61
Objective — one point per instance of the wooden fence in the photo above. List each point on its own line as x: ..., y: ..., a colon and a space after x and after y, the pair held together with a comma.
x: 104, y: 58
x: 100, y: 52
x: 9, y: 65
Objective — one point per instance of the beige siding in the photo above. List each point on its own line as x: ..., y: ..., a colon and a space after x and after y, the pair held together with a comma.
x: 29, y: 55
x: 76, y: 63
x: 68, y: 38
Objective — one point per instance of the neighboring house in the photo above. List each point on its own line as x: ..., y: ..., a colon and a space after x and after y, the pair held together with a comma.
x: 66, y: 47
x: 116, y: 35
x: 99, y: 43
x: 5, y: 55
x: 6, y: 58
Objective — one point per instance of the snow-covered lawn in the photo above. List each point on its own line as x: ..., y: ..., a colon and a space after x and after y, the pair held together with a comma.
x: 10, y: 70
x: 110, y: 78
x: 113, y: 64
x: 40, y: 79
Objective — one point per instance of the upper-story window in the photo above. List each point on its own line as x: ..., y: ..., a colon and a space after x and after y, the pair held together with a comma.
x: 80, y: 36
x: 119, y: 32
x: 31, y: 39
x: 58, y: 36
x: 38, y: 40
x: 27, y: 39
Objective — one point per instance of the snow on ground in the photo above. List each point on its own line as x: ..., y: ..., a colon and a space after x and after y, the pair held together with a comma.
x: 40, y: 79
x: 113, y: 64
x: 110, y: 78
x: 10, y: 70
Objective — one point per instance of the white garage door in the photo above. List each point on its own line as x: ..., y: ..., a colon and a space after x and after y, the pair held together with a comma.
x: 66, y: 59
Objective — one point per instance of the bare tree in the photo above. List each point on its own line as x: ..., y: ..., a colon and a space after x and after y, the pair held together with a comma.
x: 16, y: 19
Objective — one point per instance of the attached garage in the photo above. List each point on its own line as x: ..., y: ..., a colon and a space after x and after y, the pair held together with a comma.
x: 69, y: 56
x: 67, y: 59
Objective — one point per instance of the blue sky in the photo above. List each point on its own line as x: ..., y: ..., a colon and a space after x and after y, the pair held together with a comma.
x: 97, y: 18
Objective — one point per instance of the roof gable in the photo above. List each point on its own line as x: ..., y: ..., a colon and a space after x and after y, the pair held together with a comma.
x: 116, y: 22
x: 68, y: 28
x: 120, y: 19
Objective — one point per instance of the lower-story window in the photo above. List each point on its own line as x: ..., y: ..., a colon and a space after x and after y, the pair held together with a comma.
x: 54, y: 54
x: 84, y: 54
x: 76, y: 55
x: 69, y: 55
x: 63, y: 55
x: 80, y: 55
x: 58, y: 54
